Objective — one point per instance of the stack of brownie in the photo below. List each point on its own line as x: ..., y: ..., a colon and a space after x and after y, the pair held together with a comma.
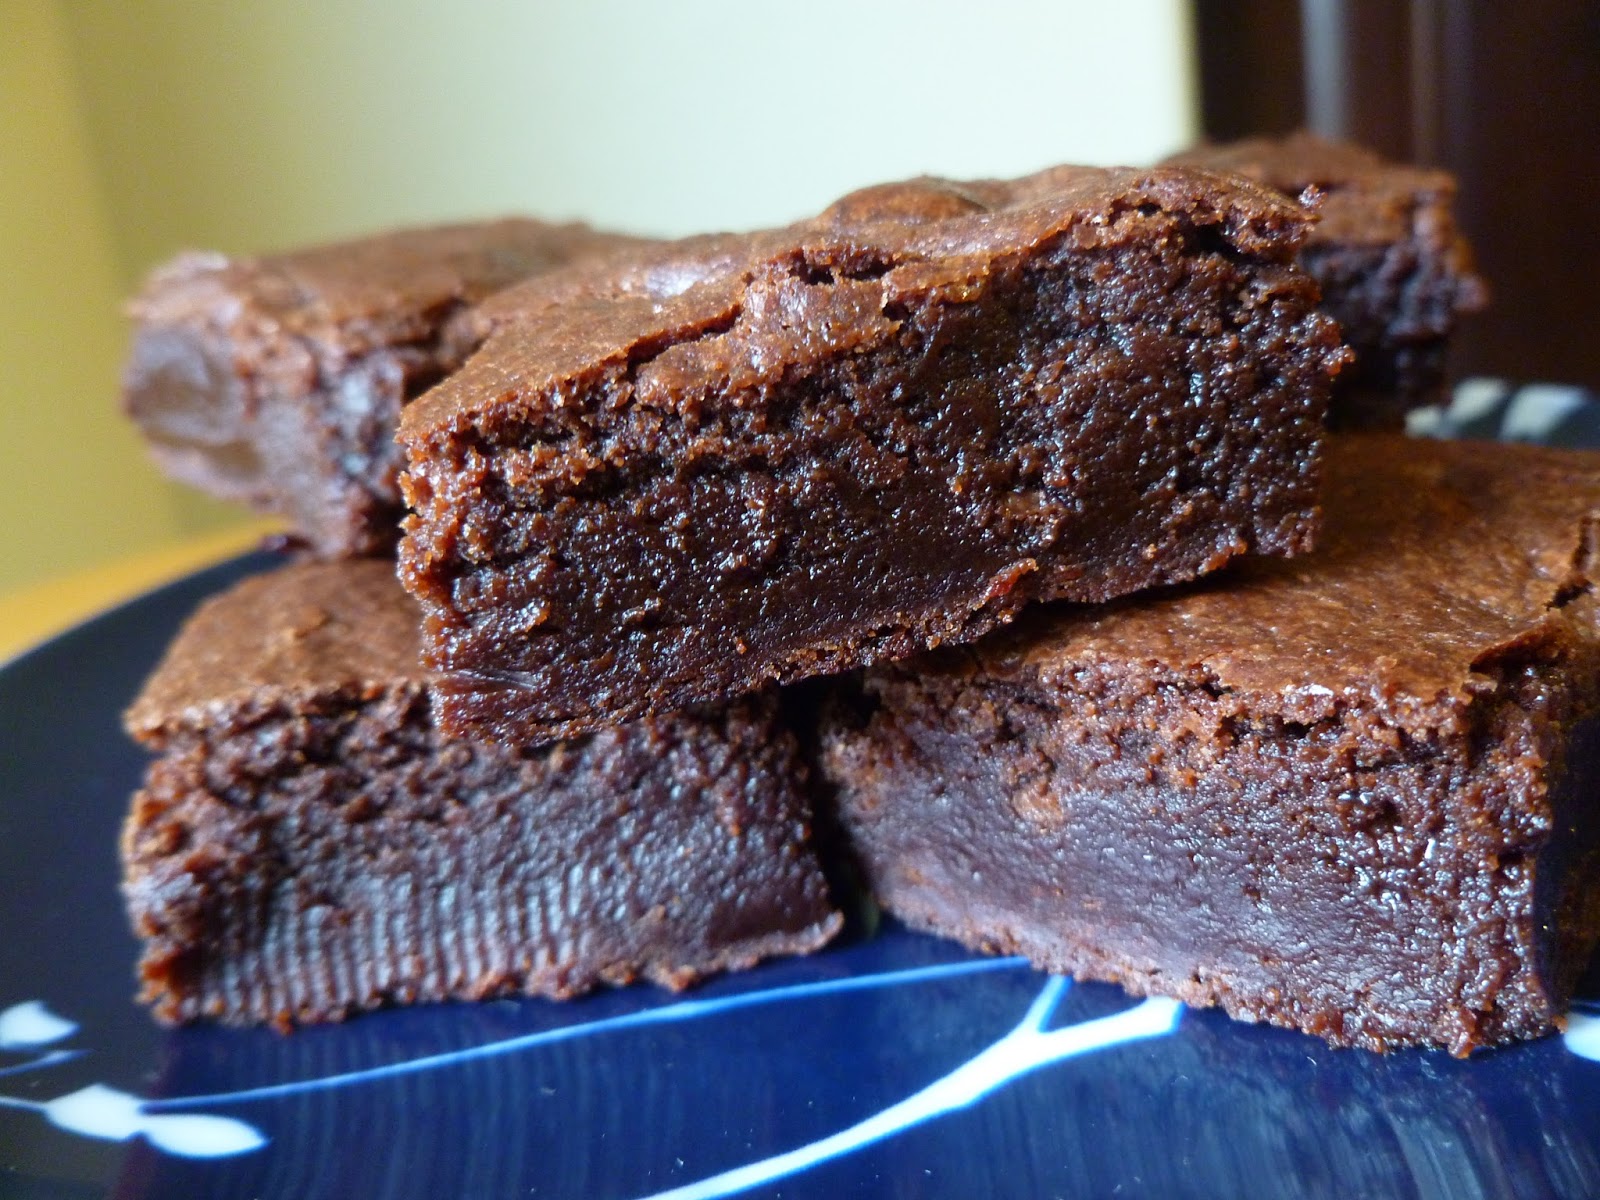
x: 927, y: 445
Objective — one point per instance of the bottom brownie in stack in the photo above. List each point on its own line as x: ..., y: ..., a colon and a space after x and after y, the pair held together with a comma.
x: 306, y: 846
x: 1351, y: 793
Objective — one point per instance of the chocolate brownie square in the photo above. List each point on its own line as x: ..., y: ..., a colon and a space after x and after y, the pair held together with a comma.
x: 279, y: 381
x: 1354, y: 794
x: 891, y: 427
x: 1395, y: 270
x: 307, y: 846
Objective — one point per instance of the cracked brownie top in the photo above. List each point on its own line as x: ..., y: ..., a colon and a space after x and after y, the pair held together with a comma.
x: 1436, y: 564
x: 548, y: 340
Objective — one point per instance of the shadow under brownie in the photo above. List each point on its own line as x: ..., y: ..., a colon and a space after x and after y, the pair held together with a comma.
x: 307, y: 846
x: 1353, y: 793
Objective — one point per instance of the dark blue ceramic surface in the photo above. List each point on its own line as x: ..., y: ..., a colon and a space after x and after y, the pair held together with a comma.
x: 895, y: 1065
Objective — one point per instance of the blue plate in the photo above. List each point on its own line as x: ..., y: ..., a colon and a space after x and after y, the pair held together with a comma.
x: 890, y: 1065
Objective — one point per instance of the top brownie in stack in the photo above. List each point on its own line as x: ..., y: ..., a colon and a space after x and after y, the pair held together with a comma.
x: 1394, y: 268
x: 279, y: 381
x: 890, y: 427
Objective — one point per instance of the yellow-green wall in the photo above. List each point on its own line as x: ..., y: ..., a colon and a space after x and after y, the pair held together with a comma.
x: 74, y: 485
x: 131, y: 130
x: 261, y: 123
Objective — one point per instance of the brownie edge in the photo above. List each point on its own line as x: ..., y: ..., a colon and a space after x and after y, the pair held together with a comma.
x: 1353, y: 795
x: 1395, y: 269
x: 305, y: 846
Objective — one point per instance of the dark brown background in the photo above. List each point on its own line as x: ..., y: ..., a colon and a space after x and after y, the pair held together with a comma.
x: 1504, y: 93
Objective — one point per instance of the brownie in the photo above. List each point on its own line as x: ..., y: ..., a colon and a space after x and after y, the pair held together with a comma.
x: 307, y: 846
x: 1394, y: 268
x: 279, y: 381
x: 1354, y: 794
x: 787, y: 454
